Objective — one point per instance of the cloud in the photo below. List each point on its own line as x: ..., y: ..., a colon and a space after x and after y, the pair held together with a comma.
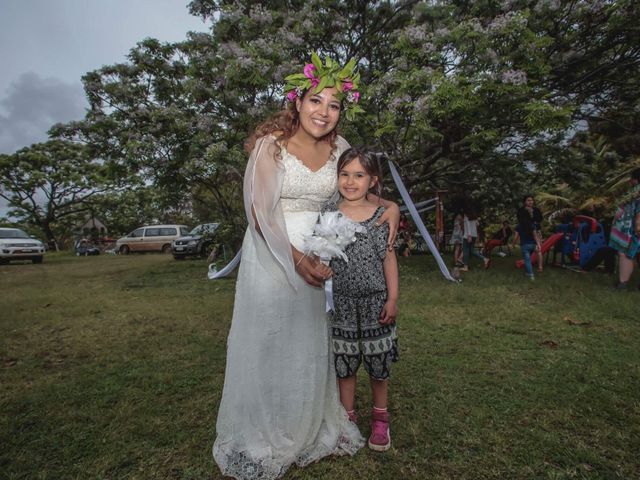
x: 33, y: 104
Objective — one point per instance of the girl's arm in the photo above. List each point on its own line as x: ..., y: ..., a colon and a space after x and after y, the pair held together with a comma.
x: 391, y: 217
x: 390, y: 309
x: 516, y: 237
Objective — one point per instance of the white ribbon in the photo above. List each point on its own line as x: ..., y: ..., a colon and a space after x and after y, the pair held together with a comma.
x: 328, y: 289
x: 213, y: 272
x: 328, y: 294
x: 418, y: 221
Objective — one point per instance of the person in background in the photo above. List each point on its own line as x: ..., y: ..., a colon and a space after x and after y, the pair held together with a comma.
x: 469, y: 237
x: 529, y: 221
x: 501, y: 237
x: 625, y: 231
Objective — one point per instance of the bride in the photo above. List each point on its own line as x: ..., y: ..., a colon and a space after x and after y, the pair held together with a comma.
x: 279, y: 403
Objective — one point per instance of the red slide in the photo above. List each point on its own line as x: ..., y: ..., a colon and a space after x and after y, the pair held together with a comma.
x: 546, y: 246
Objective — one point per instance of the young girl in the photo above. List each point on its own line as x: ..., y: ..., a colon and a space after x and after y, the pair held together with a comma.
x: 365, y: 294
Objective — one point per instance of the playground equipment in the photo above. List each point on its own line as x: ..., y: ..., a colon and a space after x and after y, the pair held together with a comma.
x: 576, y: 242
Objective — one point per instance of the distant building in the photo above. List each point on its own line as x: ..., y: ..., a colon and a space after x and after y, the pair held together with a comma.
x: 93, y: 227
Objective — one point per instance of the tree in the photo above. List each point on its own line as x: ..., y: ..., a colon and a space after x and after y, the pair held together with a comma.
x: 49, y: 181
x: 473, y: 97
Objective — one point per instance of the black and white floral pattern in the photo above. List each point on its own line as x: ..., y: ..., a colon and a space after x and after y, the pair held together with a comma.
x: 359, y: 294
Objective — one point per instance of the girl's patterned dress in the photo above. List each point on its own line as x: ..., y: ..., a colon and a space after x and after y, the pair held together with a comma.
x: 359, y: 294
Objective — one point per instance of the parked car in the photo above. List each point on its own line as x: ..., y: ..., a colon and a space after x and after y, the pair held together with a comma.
x: 197, y: 243
x: 152, y: 238
x: 17, y: 245
x: 84, y: 248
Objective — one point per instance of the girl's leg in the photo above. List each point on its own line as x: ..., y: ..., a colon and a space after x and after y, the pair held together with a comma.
x: 477, y: 254
x: 626, y: 267
x: 379, y: 392
x: 526, y: 254
x: 538, y: 236
x: 347, y: 388
x: 457, y: 254
x: 474, y: 251
x: 380, y: 439
x: 465, y: 252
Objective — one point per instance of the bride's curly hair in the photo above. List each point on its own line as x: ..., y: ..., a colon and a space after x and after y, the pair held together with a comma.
x: 283, y: 125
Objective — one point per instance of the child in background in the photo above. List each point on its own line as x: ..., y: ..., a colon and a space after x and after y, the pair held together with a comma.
x: 365, y: 294
x: 456, y: 238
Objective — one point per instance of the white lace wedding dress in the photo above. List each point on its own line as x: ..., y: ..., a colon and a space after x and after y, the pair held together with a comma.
x: 280, y: 403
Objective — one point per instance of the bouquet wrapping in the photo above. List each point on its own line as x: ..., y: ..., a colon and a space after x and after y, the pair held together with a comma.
x: 331, y: 235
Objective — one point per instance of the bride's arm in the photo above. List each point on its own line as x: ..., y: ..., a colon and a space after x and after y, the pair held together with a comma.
x: 391, y: 216
x: 310, y: 268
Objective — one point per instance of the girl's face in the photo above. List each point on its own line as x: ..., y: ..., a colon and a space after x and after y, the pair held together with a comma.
x: 354, y: 182
x: 528, y: 202
x: 319, y: 112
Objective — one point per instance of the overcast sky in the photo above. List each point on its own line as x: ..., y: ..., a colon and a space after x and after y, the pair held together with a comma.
x: 47, y: 45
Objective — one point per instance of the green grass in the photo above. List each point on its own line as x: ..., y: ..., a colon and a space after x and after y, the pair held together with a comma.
x: 112, y: 368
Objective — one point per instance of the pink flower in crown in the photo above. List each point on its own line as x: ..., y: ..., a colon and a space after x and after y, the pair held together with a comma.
x: 309, y: 68
x: 292, y: 96
x: 356, y: 97
x: 347, y: 85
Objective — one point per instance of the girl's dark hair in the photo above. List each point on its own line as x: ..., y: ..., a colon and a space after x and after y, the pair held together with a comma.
x: 369, y: 162
x: 635, y: 174
x: 283, y: 125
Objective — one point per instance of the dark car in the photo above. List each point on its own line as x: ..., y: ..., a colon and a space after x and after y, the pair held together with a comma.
x: 84, y: 248
x: 198, y: 243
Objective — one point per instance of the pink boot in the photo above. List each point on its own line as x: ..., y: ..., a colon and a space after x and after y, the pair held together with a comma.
x: 380, y: 439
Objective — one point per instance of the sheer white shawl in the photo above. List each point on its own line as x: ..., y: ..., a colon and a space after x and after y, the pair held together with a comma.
x: 262, y: 188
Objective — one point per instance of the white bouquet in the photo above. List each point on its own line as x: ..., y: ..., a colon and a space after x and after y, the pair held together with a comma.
x: 332, y: 234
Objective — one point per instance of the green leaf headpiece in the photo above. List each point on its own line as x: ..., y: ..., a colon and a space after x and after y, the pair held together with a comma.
x: 319, y: 76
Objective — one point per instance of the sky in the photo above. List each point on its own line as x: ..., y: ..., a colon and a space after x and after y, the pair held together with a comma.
x: 47, y: 45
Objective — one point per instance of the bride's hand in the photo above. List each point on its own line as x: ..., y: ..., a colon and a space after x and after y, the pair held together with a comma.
x: 312, y: 270
x: 391, y: 217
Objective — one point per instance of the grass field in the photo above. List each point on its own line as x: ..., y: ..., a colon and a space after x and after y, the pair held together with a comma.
x: 112, y: 368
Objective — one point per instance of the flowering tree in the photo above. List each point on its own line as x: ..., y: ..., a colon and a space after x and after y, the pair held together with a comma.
x: 473, y: 97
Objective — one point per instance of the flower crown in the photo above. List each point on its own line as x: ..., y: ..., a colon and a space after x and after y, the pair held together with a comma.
x: 319, y: 76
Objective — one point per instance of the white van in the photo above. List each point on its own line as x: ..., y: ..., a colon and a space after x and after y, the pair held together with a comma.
x: 17, y: 245
x: 152, y: 238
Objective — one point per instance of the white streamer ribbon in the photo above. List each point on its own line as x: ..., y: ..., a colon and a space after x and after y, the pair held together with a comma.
x: 213, y: 272
x: 418, y: 221
x: 328, y: 294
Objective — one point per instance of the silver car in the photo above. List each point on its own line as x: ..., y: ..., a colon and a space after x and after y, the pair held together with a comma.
x: 17, y: 245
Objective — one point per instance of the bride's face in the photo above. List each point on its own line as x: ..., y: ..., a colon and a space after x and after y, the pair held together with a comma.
x: 319, y: 112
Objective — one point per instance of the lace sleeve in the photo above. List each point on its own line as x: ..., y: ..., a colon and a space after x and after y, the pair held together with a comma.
x: 262, y: 187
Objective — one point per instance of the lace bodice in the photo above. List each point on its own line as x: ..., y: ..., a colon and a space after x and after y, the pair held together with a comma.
x: 302, y: 188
